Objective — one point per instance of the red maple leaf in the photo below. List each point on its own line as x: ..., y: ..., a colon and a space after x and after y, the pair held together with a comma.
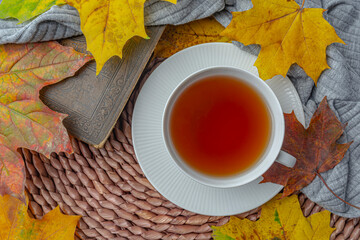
x: 314, y: 148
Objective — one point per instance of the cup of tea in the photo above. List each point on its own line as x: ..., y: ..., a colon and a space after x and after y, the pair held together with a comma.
x: 223, y: 126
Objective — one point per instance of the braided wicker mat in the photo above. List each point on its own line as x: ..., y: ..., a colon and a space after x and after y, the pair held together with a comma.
x: 107, y: 187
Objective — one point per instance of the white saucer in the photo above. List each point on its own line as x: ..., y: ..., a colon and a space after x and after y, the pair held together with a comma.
x: 150, y: 147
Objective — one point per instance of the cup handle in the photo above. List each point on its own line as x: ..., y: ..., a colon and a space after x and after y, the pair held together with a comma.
x: 286, y: 159
x: 283, y: 158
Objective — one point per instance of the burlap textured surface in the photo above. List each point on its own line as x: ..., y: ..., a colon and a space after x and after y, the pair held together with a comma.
x: 107, y: 187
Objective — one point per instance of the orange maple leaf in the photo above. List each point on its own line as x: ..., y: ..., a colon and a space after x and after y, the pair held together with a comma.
x: 24, y: 120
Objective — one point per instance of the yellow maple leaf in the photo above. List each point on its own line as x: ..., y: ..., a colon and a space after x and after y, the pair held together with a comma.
x: 109, y: 24
x: 15, y: 222
x: 177, y: 38
x: 281, y: 218
x: 287, y: 33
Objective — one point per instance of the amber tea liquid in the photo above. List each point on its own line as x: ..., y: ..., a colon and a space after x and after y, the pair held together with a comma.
x: 220, y: 126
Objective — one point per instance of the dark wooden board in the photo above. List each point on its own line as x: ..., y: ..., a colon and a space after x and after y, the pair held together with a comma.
x: 94, y: 103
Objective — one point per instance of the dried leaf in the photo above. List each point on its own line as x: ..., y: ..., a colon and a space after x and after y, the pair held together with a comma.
x: 314, y: 148
x: 108, y: 25
x: 281, y: 219
x: 26, y: 10
x: 15, y: 222
x: 177, y: 38
x: 25, y: 121
x: 287, y: 34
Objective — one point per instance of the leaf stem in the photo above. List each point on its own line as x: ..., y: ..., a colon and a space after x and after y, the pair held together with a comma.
x: 322, y: 179
x: 303, y: 3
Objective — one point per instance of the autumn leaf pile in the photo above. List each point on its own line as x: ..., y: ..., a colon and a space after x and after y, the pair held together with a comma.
x: 287, y: 33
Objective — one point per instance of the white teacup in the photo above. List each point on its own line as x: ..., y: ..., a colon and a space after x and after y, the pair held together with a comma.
x: 276, y: 136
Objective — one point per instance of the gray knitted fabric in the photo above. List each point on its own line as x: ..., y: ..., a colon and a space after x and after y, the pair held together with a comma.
x: 341, y: 83
x: 63, y: 21
x: 58, y: 22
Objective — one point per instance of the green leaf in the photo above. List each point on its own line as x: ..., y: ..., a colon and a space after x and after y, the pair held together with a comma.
x: 25, y: 10
x: 218, y: 235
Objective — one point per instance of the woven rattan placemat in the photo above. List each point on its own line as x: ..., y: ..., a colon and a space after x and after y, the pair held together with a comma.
x: 107, y: 187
